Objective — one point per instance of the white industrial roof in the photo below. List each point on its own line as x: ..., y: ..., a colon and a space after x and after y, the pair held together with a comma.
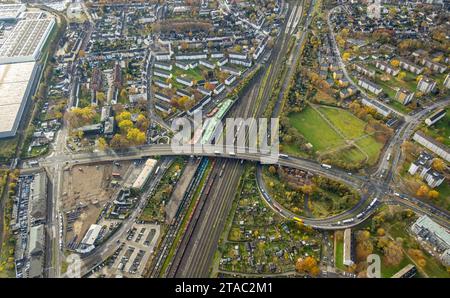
x: 426, y: 222
x: 26, y: 40
x: 14, y: 81
x: 11, y: 11
x: 143, y: 176
x: 91, y: 234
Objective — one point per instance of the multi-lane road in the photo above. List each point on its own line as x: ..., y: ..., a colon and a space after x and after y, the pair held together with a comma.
x: 194, y: 257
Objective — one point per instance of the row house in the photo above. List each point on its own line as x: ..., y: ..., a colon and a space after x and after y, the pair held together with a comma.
x: 404, y: 96
x: 411, y: 67
x: 387, y: 68
x: 370, y: 86
x: 426, y: 85
x: 364, y: 70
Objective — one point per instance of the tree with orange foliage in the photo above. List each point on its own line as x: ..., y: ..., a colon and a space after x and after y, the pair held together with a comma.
x: 433, y: 194
x: 307, y: 265
x: 422, y: 191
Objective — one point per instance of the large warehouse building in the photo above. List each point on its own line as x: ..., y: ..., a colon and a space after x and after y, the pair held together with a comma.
x: 19, y: 69
x: 26, y: 40
x: 10, y: 12
x: 16, y: 84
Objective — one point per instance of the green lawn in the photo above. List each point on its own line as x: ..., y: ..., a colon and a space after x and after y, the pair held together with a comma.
x: 339, y: 257
x: 444, y: 196
x: 351, y: 126
x: 371, y: 147
x: 398, y: 106
x: 315, y: 130
x: 194, y: 74
x: 350, y: 155
x: 324, y: 138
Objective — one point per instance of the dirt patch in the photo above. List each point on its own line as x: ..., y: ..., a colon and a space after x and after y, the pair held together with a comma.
x: 88, y: 188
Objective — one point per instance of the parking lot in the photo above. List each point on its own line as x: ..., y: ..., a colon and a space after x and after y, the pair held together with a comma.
x: 132, y: 253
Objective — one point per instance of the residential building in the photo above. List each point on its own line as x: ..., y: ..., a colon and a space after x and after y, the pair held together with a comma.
x: 433, y: 234
x: 217, y: 55
x: 404, y: 96
x: 363, y: 70
x: 426, y: 85
x: 181, y: 92
x: 406, y: 272
x: 163, y: 84
x: 431, y: 144
x: 204, y: 91
x: 219, y: 89
x: 191, y: 56
x: 376, y: 105
x: 222, y: 61
x: 235, y: 55
x: 162, y: 65
x: 438, y: 115
x: 199, y: 106
x: 182, y: 65
x: 207, y: 64
x: 370, y: 86
x: 231, y: 70
x: 348, y: 248
x: 162, y: 73
x: 186, y: 82
x: 243, y: 62
x: 423, y: 161
x: 432, y: 177
x: 433, y: 66
x: 447, y: 81
x: 230, y: 80
x: 162, y: 97
x: 387, y: 68
x: 409, y: 66
x: 163, y: 56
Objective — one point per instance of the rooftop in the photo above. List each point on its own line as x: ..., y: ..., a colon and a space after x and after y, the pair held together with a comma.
x: 426, y: 223
x: 14, y: 88
x: 26, y: 39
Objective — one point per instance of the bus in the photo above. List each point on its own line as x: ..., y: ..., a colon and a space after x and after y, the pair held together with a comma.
x: 325, y: 166
x: 350, y: 220
x: 388, y: 157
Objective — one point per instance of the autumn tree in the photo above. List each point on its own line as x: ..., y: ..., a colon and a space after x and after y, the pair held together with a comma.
x: 125, y: 115
x: 100, y: 96
x: 136, y: 137
x: 401, y: 75
x: 433, y: 194
x: 307, y: 265
x: 393, y: 254
x: 77, y: 117
x: 142, y: 122
x: 395, y: 63
x: 438, y: 164
x: 422, y: 191
x: 119, y: 141
x: 364, y: 246
x: 209, y: 86
x: 102, y: 144
x: 346, y: 56
x: 272, y: 170
x: 125, y: 125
